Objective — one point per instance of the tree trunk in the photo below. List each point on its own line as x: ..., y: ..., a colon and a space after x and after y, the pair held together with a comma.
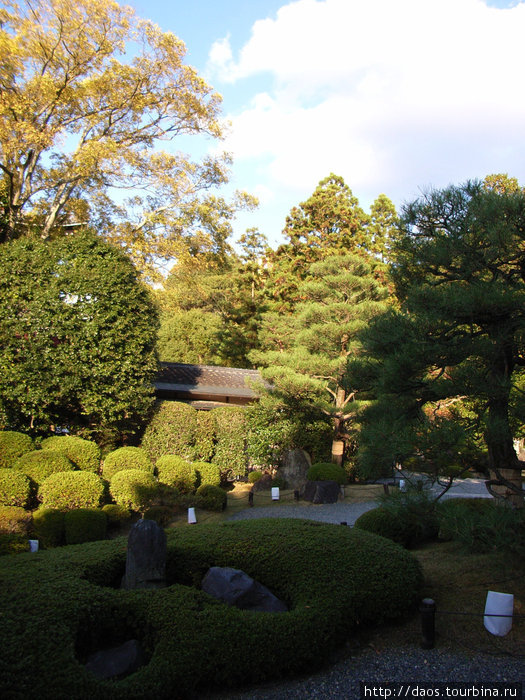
x: 504, y: 465
x: 338, y: 445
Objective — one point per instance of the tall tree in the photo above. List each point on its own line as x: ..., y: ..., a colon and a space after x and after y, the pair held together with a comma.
x: 88, y: 89
x: 306, y: 354
x: 459, y: 337
x: 77, y: 337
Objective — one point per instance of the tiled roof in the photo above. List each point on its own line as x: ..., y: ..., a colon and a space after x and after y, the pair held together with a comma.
x: 199, y: 380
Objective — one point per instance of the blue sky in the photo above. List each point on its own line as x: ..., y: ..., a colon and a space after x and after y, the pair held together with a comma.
x: 395, y: 96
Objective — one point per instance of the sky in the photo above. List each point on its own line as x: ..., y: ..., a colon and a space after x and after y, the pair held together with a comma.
x: 395, y: 96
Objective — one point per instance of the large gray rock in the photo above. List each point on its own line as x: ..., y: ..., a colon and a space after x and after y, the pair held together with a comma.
x: 234, y: 587
x: 116, y: 662
x: 146, y: 556
x: 295, y: 465
x: 321, y: 491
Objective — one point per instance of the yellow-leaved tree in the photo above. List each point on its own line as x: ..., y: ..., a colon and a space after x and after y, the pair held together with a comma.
x: 88, y: 90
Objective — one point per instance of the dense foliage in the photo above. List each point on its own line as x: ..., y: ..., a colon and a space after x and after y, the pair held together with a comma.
x: 69, y: 490
x: 15, y: 488
x: 132, y: 488
x: 78, y: 348
x: 12, y: 445
x: 85, y: 454
x: 332, y: 578
x: 126, y: 458
x: 327, y: 471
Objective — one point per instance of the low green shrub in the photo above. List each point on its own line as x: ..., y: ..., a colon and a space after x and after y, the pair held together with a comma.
x: 48, y: 527
x: 177, y: 472
x: 230, y: 440
x: 13, y: 445
x: 15, y: 488
x: 210, y: 497
x: 116, y: 515
x: 326, y: 471
x: 254, y: 476
x: 483, y: 525
x: 133, y: 488
x: 85, y: 454
x: 204, y: 446
x: 162, y: 515
x: 69, y: 490
x: 13, y: 543
x: 40, y: 464
x: 85, y: 525
x: 126, y: 458
x: 335, y: 580
x: 14, y: 520
x: 207, y: 473
x: 381, y: 522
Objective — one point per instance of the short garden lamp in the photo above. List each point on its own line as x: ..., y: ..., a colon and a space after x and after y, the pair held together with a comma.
x: 275, y: 493
x: 191, y: 516
x: 499, y: 609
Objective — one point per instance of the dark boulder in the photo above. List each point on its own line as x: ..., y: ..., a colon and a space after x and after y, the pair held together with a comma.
x: 321, y: 491
x: 234, y: 587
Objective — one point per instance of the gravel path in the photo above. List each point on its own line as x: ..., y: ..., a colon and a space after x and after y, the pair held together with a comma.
x: 327, y: 513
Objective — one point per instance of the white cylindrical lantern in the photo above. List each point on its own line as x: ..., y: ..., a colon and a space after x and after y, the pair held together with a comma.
x: 402, y: 485
x: 275, y: 493
x: 33, y: 545
x: 191, y: 516
x: 502, y: 604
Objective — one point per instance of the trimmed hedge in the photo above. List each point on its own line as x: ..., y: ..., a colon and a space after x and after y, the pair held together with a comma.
x: 13, y: 543
x: 177, y: 472
x: 85, y: 454
x: 14, y: 520
x: 126, y: 458
x: 116, y: 515
x: 204, y: 436
x: 133, y: 488
x: 48, y: 527
x: 85, y: 525
x: 210, y: 497
x: 171, y: 430
x: 332, y: 578
x: 40, y: 464
x: 381, y: 522
x: 230, y: 434
x: 207, y: 473
x: 327, y: 471
x: 15, y: 488
x: 69, y: 490
x: 12, y: 445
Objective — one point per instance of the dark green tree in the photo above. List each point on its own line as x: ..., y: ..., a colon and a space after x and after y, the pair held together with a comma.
x: 447, y: 367
x: 306, y: 354
x: 77, y: 337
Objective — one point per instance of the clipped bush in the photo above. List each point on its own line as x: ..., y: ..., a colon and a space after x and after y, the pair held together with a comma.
x: 255, y: 476
x: 48, y: 527
x: 116, y: 515
x: 334, y: 579
x: 230, y: 434
x: 209, y: 497
x: 14, y: 520
x: 13, y: 445
x: 177, y: 472
x: 40, y: 464
x: 204, y: 446
x: 85, y: 525
x: 380, y: 521
x: 133, y: 488
x: 85, y: 454
x: 126, y: 458
x: 15, y: 488
x: 326, y: 471
x: 13, y: 543
x: 69, y: 490
x: 171, y: 430
x: 162, y: 515
x: 207, y: 473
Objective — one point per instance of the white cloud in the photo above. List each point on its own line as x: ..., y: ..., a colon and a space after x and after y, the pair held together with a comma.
x: 391, y: 95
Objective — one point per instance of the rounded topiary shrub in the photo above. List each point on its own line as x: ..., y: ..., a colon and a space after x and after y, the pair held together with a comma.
x: 48, y: 527
x: 326, y: 471
x: 133, y: 488
x: 14, y: 520
x: 68, y: 490
x: 15, y: 488
x: 116, y: 515
x: 381, y: 522
x: 171, y: 430
x: 335, y: 581
x: 12, y: 445
x: 177, y: 472
x: 40, y: 464
x: 85, y: 525
x: 209, y: 497
x: 13, y: 543
x: 207, y: 473
x: 126, y: 458
x: 85, y: 454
